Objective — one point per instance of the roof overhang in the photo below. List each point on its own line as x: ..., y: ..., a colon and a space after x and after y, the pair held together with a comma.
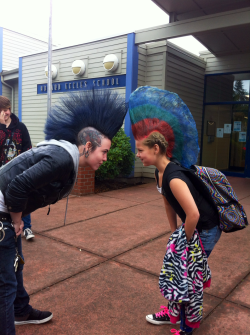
x: 10, y: 75
x: 209, y: 28
x: 179, y: 10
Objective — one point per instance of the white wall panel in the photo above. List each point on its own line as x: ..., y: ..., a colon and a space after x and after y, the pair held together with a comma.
x: 186, y: 78
x: 227, y: 63
x: 6, y: 91
x: 15, y: 44
x: 34, y: 106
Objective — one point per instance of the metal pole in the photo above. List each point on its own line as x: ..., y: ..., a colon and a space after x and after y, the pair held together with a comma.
x: 49, y: 88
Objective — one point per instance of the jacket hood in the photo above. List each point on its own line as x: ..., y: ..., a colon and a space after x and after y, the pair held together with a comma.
x: 14, y: 122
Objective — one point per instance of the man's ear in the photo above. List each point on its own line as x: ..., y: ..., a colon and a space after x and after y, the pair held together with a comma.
x: 88, y: 146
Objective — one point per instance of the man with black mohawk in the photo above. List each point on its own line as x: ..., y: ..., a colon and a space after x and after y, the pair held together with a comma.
x: 79, y: 130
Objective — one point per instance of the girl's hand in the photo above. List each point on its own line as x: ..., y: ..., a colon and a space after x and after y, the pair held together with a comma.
x: 2, y: 121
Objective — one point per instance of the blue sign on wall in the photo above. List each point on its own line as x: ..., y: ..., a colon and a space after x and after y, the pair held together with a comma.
x: 84, y: 84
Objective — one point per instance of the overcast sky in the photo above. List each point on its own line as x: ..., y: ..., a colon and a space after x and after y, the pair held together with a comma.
x: 79, y: 21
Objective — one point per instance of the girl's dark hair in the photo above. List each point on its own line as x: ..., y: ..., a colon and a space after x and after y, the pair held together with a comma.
x: 103, y: 110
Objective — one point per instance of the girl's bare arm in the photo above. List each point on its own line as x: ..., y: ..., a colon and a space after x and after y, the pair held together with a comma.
x: 183, y: 195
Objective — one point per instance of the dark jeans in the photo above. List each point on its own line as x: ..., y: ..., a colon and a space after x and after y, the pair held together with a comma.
x: 14, y: 300
x: 208, y: 238
x: 27, y: 222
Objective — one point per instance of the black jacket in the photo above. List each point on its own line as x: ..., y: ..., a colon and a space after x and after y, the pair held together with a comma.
x: 39, y: 177
x: 20, y: 142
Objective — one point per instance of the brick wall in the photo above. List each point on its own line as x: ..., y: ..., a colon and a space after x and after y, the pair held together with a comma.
x: 85, y: 181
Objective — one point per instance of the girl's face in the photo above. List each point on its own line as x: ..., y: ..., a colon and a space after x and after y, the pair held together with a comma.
x: 147, y: 155
x: 98, y: 156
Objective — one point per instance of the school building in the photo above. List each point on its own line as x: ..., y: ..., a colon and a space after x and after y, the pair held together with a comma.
x: 215, y: 85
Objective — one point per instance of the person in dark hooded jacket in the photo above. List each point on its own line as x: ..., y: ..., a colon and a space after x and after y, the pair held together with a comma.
x: 14, y: 136
x: 14, y: 140
x: 79, y: 130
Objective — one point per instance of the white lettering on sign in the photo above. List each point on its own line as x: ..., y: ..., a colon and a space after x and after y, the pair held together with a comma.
x: 80, y: 84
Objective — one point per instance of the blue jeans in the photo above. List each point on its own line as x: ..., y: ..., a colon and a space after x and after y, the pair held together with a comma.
x: 208, y: 238
x: 14, y: 300
x: 27, y: 222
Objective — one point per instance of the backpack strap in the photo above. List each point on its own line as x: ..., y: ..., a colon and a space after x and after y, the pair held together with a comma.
x: 157, y: 176
x: 196, y: 181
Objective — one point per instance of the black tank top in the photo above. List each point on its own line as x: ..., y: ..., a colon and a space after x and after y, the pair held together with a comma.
x: 208, y: 214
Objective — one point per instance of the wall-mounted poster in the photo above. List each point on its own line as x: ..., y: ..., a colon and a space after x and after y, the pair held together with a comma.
x: 237, y: 125
x: 219, y: 132
x: 242, y: 136
x: 227, y: 128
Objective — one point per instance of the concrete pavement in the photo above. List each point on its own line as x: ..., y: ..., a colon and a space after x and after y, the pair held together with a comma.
x: 98, y: 274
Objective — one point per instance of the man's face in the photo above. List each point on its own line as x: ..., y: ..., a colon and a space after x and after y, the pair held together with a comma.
x: 7, y: 114
x: 98, y: 156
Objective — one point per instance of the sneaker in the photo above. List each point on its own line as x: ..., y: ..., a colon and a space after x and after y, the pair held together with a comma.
x: 35, y: 316
x: 160, y: 318
x: 180, y: 332
x: 28, y: 233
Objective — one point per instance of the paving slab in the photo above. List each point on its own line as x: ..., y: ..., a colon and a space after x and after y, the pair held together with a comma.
x: 229, y: 262
x: 148, y: 257
x: 108, y: 299
x: 48, y: 261
x: 158, y: 202
x: 151, y: 185
x: 79, y: 208
x: 245, y: 201
x: 90, y: 295
x: 241, y: 186
x: 241, y: 295
x: 135, y: 194
x: 112, y: 234
x: 226, y: 319
x: 209, y: 303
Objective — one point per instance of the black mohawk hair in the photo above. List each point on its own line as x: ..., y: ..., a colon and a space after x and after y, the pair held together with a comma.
x: 103, y: 110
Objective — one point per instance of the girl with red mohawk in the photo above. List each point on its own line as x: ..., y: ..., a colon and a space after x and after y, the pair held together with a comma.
x: 165, y: 134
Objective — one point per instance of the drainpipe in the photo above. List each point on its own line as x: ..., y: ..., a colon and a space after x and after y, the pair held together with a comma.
x: 12, y: 93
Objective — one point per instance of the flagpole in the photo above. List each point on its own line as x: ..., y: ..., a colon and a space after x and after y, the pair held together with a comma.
x: 49, y: 88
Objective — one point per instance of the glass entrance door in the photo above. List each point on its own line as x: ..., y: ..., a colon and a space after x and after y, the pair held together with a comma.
x: 238, y: 140
x: 226, y: 138
x: 226, y: 123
